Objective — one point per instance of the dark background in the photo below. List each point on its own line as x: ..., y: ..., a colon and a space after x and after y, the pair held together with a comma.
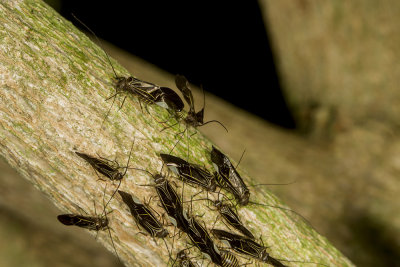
x: 220, y: 45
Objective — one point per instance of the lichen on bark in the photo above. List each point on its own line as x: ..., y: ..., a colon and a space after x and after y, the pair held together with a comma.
x: 53, y: 82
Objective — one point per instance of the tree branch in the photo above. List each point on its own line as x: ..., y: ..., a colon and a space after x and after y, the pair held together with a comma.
x: 54, y: 81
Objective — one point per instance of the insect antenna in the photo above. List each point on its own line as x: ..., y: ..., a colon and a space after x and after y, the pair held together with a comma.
x: 169, y: 126
x: 169, y: 252
x: 276, y: 262
x: 216, y: 122
x: 181, y: 134
x: 254, y: 185
x: 109, y: 61
x: 123, y: 175
x: 285, y: 209
x: 112, y: 242
x: 98, y: 40
x: 149, y: 173
x: 241, y: 157
x: 204, y: 106
x: 108, y: 228
x: 109, y: 109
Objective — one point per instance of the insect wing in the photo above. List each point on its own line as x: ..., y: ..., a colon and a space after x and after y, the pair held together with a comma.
x: 143, y: 90
x: 100, y: 166
x: 172, y: 160
x: 239, y: 184
x: 233, y: 219
x: 168, y: 196
x: 150, y: 223
x: 143, y: 215
x: 224, y: 182
x: 240, y: 244
x: 203, y: 241
x: 183, y: 85
x: 142, y: 85
x: 172, y: 204
x: 248, y: 247
x: 195, y: 175
x: 168, y: 99
x: 229, y: 177
x: 188, y: 172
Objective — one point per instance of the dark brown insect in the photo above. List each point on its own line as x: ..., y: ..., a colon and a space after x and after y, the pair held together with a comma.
x: 228, y: 260
x: 230, y: 215
x: 190, y: 173
x: 109, y: 169
x: 143, y: 216
x: 149, y: 93
x: 170, y: 200
x: 144, y: 91
x: 87, y: 222
x: 183, y: 260
x: 246, y: 246
x: 202, y: 240
x: 251, y: 248
x: 94, y: 223
x: 228, y: 178
x: 193, y: 118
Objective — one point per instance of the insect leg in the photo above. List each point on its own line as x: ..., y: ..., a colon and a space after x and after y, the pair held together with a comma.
x: 109, y: 110
x: 123, y: 101
x: 112, y: 242
x: 82, y: 210
x: 119, y: 184
x: 169, y: 126
x: 94, y: 205
x: 216, y: 219
x: 187, y: 143
x: 148, y: 205
x: 140, y: 104
x: 169, y: 253
x: 198, y: 193
x: 180, y: 138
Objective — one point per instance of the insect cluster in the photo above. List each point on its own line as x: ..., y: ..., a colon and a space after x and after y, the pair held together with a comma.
x: 224, y: 191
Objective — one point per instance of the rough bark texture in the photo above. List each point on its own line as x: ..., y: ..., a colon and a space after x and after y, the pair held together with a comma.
x: 53, y: 82
x: 339, y: 65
